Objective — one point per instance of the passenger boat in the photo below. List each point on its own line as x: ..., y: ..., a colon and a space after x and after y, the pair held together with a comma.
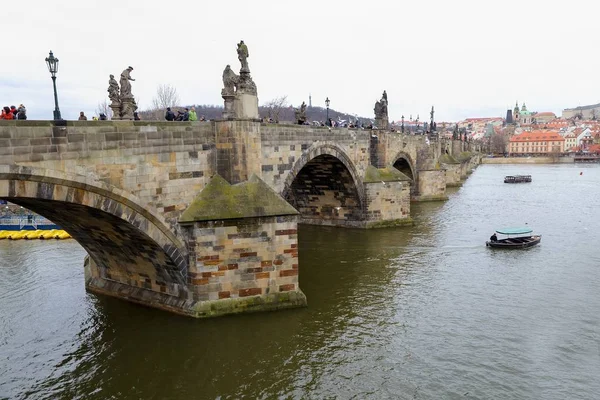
x: 514, y: 238
x: 517, y: 178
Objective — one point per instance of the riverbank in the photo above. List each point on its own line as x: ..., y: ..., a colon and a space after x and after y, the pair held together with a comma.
x: 527, y: 160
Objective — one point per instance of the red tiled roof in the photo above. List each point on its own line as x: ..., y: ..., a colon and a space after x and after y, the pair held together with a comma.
x: 537, y: 136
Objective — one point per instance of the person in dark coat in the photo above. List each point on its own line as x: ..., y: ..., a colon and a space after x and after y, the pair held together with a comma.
x: 170, y: 115
x: 494, y: 238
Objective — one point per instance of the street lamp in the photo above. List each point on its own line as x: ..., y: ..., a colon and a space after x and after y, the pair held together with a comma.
x: 327, y: 105
x: 52, y: 63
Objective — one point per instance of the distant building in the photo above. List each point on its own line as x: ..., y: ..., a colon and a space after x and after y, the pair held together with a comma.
x: 591, y: 112
x: 509, y: 117
x: 525, y: 116
x: 540, y: 142
x: 544, y: 117
x: 570, y: 141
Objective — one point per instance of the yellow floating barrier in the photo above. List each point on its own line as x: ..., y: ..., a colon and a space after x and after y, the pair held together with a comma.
x: 48, y: 234
x: 16, y: 235
x: 62, y: 235
x: 33, y: 234
x: 58, y: 234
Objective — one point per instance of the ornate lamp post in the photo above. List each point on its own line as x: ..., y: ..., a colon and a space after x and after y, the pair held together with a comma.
x: 52, y: 63
x: 327, y: 105
x: 402, y: 123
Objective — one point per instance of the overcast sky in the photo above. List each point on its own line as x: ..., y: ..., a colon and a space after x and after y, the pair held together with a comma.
x: 469, y: 58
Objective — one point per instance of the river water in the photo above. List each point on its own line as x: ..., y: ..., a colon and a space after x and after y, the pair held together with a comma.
x: 426, y: 312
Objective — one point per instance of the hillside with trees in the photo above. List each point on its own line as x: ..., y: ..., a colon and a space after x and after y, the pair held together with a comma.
x: 277, y: 109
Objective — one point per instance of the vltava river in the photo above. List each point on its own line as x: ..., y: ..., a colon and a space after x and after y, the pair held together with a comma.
x: 414, y: 313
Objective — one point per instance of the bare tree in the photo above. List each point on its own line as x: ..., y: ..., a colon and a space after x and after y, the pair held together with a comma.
x: 498, y: 143
x: 103, y: 108
x: 275, y: 106
x: 166, y: 96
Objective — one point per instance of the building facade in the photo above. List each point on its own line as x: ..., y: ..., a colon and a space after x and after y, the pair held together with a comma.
x: 537, y: 143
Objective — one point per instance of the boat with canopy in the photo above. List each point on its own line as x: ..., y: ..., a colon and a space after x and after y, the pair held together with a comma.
x: 514, y: 238
x: 517, y: 178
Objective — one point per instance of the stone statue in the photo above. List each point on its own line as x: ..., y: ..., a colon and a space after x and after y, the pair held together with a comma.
x: 113, y: 90
x: 381, y: 107
x: 432, y: 124
x: 381, y: 112
x: 230, y: 81
x: 301, y: 114
x: 243, y: 55
x: 125, y: 85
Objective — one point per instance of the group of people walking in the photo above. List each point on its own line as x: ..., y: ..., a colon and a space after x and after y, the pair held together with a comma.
x: 13, y: 112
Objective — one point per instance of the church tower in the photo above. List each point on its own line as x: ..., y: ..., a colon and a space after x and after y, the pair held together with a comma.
x: 516, y: 112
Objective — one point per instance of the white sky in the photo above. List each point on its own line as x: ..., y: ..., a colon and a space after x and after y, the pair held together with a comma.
x: 469, y: 58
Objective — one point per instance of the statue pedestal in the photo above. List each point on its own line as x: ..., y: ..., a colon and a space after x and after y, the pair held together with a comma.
x: 128, y: 107
x: 228, y: 111
x: 245, y: 106
x: 382, y: 123
x: 116, y: 110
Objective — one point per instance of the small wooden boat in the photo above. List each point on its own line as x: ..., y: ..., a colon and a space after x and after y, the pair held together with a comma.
x: 517, y: 178
x: 514, y: 238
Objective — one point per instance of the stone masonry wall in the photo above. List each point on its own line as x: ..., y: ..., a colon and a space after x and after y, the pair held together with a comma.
x: 453, y: 174
x: 284, y: 145
x: 324, y: 190
x: 241, y: 258
x: 164, y: 164
x: 387, y: 203
x: 432, y: 185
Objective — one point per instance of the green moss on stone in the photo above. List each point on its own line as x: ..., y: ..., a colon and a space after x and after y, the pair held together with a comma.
x: 419, y: 199
x: 448, y: 159
x: 390, y: 223
x: 269, y: 302
x: 464, y: 156
x: 220, y: 200
x: 389, y: 174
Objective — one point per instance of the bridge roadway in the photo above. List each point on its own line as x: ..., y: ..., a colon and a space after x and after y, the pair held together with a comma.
x: 200, y: 218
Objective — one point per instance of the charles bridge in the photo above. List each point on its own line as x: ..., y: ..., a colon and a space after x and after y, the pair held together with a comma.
x: 197, y: 217
x: 200, y: 218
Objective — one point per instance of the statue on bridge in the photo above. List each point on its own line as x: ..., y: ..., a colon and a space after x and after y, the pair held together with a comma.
x: 243, y: 55
x: 230, y: 81
x: 239, y: 91
x: 122, y: 101
x: 381, y: 112
x: 113, y: 90
x: 125, y: 85
x: 301, y: 114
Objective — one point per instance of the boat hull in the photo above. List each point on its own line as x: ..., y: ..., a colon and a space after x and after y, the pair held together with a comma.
x: 515, y: 243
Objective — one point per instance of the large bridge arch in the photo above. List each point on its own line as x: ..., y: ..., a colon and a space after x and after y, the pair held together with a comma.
x: 127, y: 242
x: 325, y: 187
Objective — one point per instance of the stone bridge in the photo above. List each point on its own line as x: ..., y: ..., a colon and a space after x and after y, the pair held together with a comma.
x: 200, y: 218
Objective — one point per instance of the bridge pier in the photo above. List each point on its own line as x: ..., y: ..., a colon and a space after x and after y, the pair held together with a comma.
x: 243, y: 249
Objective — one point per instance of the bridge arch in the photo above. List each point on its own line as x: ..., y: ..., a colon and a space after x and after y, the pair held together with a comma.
x: 325, y: 187
x: 404, y: 163
x: 127, y: 242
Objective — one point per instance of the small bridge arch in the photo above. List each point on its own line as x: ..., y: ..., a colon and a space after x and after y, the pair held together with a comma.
x: 128, y: 244
x: 325, y: 187
x: 404, y: 163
